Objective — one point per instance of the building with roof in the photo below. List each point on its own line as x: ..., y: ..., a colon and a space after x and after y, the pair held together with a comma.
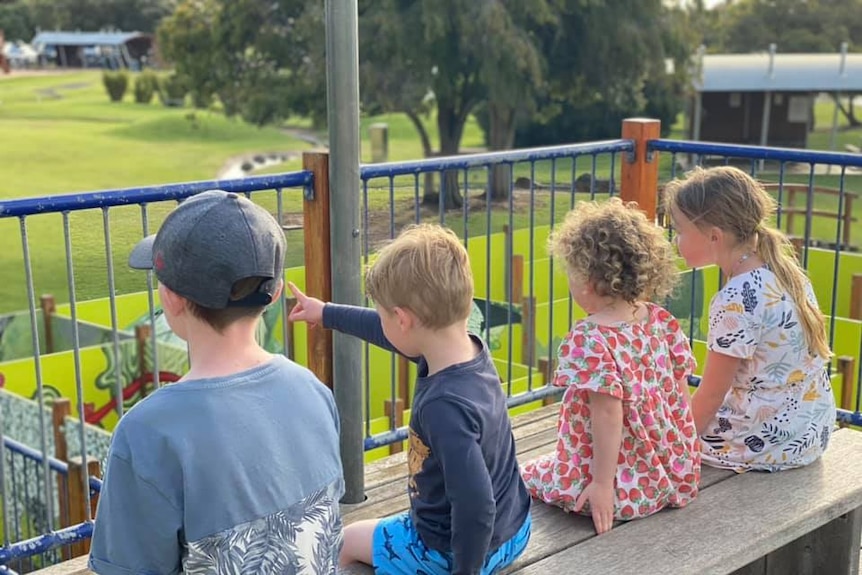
x: 94, y: 49
x: 767, y: 99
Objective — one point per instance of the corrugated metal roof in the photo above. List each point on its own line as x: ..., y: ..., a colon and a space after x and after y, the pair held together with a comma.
x: 84, y: 38
x: 788, y: 73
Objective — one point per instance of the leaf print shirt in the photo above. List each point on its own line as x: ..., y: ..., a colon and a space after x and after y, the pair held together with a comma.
x: 646, y: 366
x: 779, y: 411
x: 239, y: 474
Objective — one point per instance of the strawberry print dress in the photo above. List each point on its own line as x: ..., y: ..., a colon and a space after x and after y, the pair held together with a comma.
x: 645, y: 365
x: 779, y: 411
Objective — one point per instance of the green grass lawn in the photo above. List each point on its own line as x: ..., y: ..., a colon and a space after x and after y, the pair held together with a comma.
x: 60, y: 134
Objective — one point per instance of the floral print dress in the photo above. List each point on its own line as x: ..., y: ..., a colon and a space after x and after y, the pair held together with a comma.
x: 646, y: 366
x: 779, y: 411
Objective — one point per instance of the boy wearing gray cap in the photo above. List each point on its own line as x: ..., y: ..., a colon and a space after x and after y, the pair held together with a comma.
x: 236, y: 467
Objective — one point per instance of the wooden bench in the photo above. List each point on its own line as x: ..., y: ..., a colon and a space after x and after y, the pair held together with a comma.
x: 755, y: 523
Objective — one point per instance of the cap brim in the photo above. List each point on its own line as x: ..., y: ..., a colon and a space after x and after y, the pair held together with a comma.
x: 141, y: 257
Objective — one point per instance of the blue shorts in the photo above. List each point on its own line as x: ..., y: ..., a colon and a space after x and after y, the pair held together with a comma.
x: 397, y: 549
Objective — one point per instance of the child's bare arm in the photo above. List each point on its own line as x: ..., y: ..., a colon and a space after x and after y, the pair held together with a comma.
x: 716, y: 381
x: 607, y: 431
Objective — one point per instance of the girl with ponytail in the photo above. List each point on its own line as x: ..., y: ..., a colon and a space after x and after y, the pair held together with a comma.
x: 765, y: 400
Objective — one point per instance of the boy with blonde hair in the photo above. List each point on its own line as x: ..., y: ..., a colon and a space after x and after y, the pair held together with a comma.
x: 469, y: 510
x: 236, y: 467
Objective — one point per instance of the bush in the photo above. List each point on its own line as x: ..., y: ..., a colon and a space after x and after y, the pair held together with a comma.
x: 116, y: 84
x: 173, y: 90
x: 146, y: 84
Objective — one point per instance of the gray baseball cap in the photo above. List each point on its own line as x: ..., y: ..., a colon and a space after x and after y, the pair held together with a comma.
x: 211, y: 241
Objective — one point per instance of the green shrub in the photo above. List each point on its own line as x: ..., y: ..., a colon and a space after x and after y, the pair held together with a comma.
x: 116, y: 84
x: 173, y: 90
x: 146, y: 84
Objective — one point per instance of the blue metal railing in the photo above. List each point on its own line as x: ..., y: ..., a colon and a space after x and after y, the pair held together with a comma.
x: 538, y: 187
x: 46, y: 469
x: 473, y: 176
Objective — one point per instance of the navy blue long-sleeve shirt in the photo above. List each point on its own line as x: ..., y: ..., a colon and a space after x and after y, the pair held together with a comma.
x: 466, y: 493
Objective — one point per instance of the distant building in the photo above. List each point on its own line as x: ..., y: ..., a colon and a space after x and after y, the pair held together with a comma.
x: 94, y: 49
x: 766, y: 99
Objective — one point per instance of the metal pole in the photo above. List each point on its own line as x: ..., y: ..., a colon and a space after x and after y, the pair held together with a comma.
x: 342, y: 101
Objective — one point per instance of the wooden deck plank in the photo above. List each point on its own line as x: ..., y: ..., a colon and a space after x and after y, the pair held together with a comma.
x: 810, y: 497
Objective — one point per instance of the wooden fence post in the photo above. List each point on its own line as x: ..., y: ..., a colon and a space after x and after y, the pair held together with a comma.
x: 48, y: 308
x: 77, y: 501
x: 289, y: 303
x: 546, y: 369
x: 318, y: 269
x: 60, y: 410
x: 846, y: 366
x: 640, y: 171
x: 856, y: 297
x: 395, y: 410
x: 528, y: 331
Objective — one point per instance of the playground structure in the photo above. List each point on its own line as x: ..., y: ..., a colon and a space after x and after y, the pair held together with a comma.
x: 110, y: 353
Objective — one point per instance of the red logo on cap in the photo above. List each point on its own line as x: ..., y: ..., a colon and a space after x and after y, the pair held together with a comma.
x: 159, y: 262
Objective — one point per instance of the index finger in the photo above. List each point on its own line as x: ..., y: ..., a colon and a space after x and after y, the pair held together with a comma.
x: 297, y: 293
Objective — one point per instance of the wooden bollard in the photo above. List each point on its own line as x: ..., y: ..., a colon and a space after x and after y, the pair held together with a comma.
x: 77, y: 500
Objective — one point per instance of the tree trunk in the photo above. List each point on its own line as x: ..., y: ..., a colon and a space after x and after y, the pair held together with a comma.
x: 849, y: 112
x: 450, y: 123
x: 429, y: 188
x: 501, y: 136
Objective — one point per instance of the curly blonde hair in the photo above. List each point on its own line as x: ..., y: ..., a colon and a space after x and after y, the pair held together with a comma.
x: 617, y: 250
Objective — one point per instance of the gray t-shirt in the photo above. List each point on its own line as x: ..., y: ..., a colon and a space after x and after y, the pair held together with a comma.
x: 225, y: 475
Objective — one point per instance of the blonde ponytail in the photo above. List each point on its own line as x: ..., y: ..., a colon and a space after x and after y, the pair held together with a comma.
x: 777, y: 252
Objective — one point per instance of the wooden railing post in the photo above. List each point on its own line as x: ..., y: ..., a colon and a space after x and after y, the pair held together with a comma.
x: 640, y: 172
x: 318, y: 269
x: 48, y: 308
x: 77, y: 501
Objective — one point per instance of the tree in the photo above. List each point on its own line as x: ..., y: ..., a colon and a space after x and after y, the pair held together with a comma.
x: 16, y: 21
x: 130, y: 15
x: 609, y: 62
x: 445, y: 55
x: 262, y: 59
x: 793, y: 25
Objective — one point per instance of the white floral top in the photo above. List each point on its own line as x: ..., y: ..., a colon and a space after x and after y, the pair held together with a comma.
x: 779, y: 411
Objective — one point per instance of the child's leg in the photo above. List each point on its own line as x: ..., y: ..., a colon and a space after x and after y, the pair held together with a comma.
x: 358, y: 539
x: 393, y: 547
x: 510, y: 550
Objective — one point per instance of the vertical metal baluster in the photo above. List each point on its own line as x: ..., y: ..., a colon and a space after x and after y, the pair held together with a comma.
x: 76, y: 355
x: 112, y: 299
x: 37, y: 361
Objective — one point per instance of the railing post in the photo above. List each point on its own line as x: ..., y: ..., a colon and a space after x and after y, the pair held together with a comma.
x: 78, y: 512
x: 337, y: 368
x: 318, y: 275
x: 640, y: 171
